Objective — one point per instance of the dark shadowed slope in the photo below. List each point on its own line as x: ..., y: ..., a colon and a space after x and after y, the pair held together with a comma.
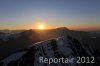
x: 66, y: 47
x: 93, y: 41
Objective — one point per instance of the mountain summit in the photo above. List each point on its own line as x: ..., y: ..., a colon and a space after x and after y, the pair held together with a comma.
x: 62, y: 47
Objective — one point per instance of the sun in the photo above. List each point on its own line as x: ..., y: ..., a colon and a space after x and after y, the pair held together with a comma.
x: 41, y: 26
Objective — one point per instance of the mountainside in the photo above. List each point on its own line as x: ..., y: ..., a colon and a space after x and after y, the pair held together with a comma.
x: 94, y: 41
x: 66, y: 47
x: 16, y: 40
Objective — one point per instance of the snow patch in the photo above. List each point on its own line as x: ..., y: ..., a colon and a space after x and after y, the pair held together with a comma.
x: 13, y: 57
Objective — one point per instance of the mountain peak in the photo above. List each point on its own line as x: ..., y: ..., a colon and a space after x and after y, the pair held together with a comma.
x: 63, y: 28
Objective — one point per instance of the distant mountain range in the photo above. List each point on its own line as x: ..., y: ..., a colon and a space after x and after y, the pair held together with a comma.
x: 16, y: 40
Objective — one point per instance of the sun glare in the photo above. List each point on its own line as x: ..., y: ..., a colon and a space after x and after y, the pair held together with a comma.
x: 41, y: 26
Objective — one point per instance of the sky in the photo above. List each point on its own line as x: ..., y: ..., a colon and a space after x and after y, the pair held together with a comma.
x: 27, y: 14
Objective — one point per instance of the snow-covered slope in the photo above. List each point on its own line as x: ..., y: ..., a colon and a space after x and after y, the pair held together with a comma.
x: 66, y: 47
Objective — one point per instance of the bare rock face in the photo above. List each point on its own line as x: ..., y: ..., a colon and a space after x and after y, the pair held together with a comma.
x: 63, y: 47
